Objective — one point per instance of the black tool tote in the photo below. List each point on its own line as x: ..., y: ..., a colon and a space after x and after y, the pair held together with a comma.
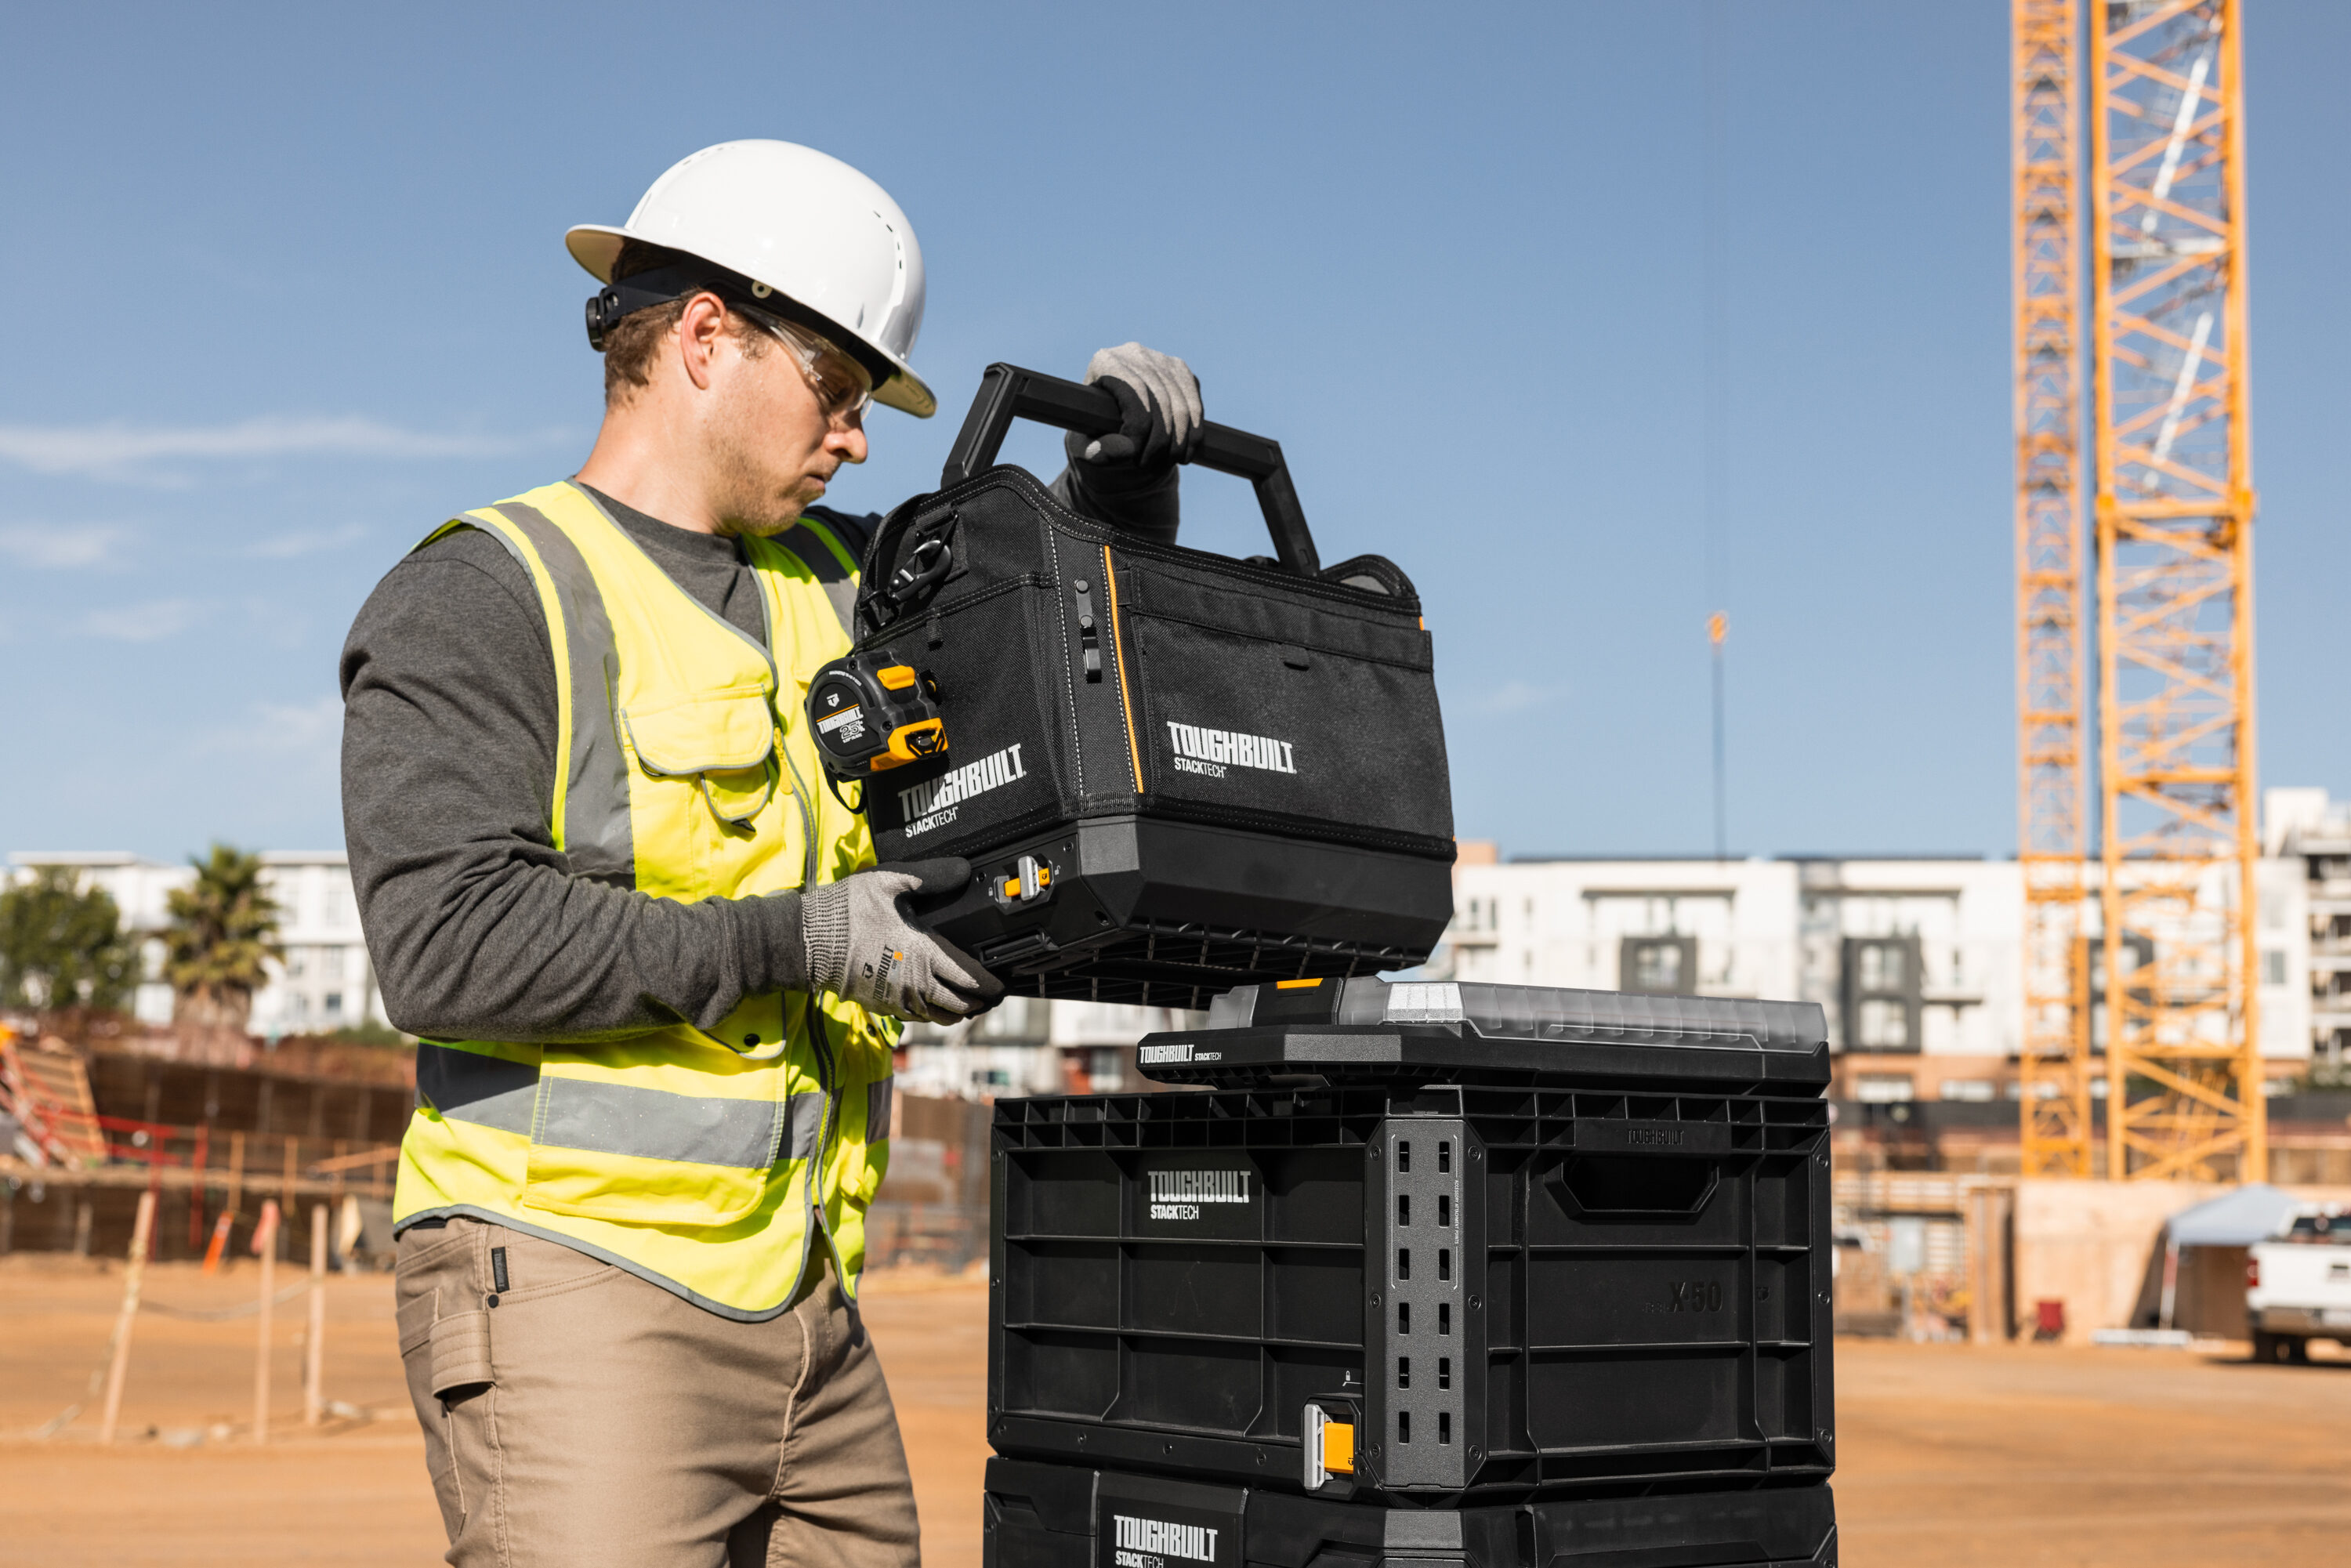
x: 1172, y: 771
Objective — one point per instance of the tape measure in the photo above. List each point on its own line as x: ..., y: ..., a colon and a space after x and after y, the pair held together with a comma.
x: 870, y: 716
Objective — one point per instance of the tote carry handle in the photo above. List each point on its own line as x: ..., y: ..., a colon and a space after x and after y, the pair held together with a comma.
x: 1008, y: 392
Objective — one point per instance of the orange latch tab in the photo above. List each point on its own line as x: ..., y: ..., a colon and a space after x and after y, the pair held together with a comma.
x: 1339, y: 1448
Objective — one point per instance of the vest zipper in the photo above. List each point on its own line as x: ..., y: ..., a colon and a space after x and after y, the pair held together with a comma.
x: 821, y: 1160
x: 801, y: 796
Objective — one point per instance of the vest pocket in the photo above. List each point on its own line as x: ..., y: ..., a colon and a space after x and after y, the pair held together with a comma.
x: 725, y: 743
x: 609, y: 1150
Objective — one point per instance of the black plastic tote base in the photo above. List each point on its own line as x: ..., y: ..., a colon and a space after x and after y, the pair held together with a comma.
x: 1069, y: 1516
x: 1168, y: 914
x: 1222, y: 771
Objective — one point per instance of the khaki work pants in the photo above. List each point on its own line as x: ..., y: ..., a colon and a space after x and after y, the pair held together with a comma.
x: 582, y: 1416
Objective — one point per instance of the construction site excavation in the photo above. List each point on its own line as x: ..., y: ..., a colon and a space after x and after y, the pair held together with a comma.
x: 1155, y: 973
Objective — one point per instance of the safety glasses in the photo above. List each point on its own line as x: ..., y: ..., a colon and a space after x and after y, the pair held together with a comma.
x: 842, y: 388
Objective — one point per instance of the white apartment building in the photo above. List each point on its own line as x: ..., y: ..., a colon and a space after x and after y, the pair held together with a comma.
x: 326, y: 982
x: 1917, y: 961
x: 1027, y: 1046
x: 2311, y: 834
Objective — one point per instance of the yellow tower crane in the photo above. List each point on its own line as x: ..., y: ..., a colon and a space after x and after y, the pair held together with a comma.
x: 2055, y: 1055
x: 2175, y: 512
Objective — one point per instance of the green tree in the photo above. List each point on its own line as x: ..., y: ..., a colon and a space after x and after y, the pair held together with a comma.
x: 223, y: 938
x: 63, y: 946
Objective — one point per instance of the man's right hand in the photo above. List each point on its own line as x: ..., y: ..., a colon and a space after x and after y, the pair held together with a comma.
x: 862, y: 947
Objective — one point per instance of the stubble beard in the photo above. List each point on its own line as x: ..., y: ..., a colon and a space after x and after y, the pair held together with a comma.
x: 750, y: 502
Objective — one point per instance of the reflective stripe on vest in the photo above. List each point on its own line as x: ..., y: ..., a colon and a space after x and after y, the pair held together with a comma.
x: 831, y: 563
x: 615, y: 1118
x: 705, y: 1161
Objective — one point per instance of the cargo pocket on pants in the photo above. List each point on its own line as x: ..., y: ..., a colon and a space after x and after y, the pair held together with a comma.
x: 448, y: 1363
x: 414, y: 1319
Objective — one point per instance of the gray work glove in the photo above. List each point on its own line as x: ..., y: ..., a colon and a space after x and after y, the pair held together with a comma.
x: 1159, y: 402
x: 862, y: 945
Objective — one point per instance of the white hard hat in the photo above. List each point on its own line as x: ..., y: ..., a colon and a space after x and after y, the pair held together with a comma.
x: 806, y: 226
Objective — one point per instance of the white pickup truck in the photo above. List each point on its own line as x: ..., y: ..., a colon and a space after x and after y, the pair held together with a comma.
x: 2298, y: 1286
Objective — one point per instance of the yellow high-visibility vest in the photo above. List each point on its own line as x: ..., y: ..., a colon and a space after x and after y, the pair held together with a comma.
x: 708, y: 1163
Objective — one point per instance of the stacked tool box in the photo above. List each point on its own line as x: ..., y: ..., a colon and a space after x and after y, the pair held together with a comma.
x: 1485, y: 1276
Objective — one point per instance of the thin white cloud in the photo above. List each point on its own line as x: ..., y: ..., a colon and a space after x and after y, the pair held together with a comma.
x: 310, y: 731
x: 305, y: 541
x: 60, y: 545
x: 147, y: 623
x: 114, y: 449
x: 1517, y: 697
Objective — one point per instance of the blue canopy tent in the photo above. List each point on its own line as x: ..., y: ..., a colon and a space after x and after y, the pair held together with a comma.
x: 2251, y: 1214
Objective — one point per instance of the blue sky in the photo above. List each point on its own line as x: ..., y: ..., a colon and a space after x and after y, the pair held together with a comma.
x: 288, y: 288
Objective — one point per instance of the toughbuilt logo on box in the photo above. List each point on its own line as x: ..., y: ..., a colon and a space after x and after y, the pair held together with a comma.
x: 1178, y: 1195
x: 1209, y: 752
x: 932, y: 805
x: 1175, y: 1055
x: 1150, y: 1543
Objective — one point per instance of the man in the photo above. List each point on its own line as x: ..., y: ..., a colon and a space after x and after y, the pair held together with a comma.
x: 651, y: 964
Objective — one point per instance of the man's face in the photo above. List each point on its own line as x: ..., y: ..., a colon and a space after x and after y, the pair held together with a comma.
x: 772, y: 451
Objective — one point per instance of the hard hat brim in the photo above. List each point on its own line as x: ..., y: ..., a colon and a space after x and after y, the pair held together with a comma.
x: 596, y: 246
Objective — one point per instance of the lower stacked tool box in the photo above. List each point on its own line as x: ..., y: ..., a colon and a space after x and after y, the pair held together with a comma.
x: 1069, y: 1516
x: 1428, y: 1274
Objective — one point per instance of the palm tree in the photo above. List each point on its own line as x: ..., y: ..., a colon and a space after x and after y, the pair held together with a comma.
x: 222, y: 937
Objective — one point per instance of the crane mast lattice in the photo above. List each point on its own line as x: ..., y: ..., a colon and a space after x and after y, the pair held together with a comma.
x: 2174, y: 512
x: 2054, y: 1058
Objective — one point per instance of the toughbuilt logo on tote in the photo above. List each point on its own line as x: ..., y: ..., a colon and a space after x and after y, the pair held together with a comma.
x: 1147, y: 1542
x: 932, y: 805
x: 1177, y: 1195
x: 1211, y: 751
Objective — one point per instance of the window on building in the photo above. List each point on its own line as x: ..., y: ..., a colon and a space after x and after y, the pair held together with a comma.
x: 334, y: 1004
x: 1658, y: 966
x: 1477, y: 914
x: 298, y: 962
x: 1884, y: 1088
x: 1975, y: 1089
x: 1882, y: 997
x: 2273, y: 966
x: 1881, y: 1024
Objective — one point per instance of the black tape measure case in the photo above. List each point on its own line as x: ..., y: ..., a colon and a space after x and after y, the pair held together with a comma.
x: 1172, y: 771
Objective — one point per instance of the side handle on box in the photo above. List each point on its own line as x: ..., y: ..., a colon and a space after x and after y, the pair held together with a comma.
x: 1008, y: 392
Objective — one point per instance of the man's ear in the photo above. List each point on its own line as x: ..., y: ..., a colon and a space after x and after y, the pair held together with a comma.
x: 700, y: 327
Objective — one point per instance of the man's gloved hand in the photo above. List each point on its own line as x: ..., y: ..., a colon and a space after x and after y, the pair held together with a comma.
x: 862, y: 945
x: 1160, y: 399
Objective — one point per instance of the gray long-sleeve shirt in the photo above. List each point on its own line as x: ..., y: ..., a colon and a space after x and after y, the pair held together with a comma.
x: 478, y: 928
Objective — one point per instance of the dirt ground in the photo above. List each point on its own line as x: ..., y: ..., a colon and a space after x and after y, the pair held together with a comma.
x: 1948, y: 1454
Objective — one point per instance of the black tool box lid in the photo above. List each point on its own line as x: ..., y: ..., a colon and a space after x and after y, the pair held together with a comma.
x: 1461, y: 1033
